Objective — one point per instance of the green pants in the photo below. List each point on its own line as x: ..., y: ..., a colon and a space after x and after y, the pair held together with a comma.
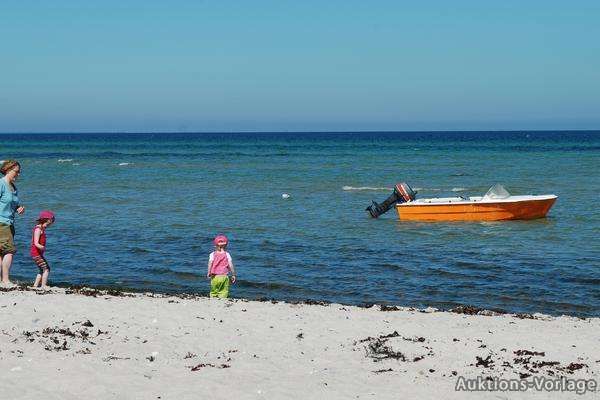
x: 219, y: 286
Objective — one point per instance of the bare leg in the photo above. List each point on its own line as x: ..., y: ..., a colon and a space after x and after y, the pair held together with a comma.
x: 42, y: 276
x: 45, y: 278
x: 6, y: 263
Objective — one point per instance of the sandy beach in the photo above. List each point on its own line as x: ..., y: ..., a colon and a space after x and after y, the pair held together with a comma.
x: 86, y: 343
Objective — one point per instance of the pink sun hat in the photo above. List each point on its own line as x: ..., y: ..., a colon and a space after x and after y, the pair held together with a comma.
x: 220, y: 240
x: 46, y: 215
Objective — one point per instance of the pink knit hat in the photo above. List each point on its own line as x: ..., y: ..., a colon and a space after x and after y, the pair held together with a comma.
x: 46, y: 215
x: 220, y: 240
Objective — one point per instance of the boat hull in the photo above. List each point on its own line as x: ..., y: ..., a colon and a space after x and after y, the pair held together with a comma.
x: 472, y: 211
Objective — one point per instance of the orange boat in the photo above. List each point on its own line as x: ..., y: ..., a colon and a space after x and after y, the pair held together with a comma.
x: 496, y: 205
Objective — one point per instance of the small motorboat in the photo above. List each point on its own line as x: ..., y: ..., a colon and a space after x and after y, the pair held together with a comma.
x: 496, y: 205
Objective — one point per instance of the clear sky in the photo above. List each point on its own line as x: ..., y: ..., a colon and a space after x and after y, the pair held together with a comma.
x: 298, y: 65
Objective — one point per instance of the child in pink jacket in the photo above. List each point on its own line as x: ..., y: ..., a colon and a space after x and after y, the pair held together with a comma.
x: 219, y: 266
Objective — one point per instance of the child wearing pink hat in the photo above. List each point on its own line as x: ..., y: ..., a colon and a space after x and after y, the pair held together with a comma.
x: 219, y: 266
x: 38, y: 248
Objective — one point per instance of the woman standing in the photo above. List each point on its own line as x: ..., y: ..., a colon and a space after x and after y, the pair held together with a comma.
x: 9, y: 205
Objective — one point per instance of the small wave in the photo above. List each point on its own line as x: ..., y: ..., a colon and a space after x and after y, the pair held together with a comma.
x: 75, y: 163
x: 395, y: 267
x: 271, y: 286
x: 349, y: 188
x: 584, y: 280
x: 139, y: 250
x: 458, y: 189
x: 418, y: 189
x: 161, y: 270
x: 187, y: 275
x: 61, y: 160
x: 178, y: 274
x: 122, y: 164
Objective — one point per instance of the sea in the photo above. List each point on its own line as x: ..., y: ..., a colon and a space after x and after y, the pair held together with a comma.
x: 139, y: 212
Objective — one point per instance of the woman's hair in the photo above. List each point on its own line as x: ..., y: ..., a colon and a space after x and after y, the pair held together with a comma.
x: 8, y: 165
x: 44, y: 220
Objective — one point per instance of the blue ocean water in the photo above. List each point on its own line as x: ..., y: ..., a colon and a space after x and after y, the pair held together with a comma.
x: 139, y: 211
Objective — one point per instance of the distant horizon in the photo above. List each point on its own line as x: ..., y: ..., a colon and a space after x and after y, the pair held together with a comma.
x: 300, y: 132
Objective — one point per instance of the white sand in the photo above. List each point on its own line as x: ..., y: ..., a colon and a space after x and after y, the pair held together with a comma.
x: 260, y: 350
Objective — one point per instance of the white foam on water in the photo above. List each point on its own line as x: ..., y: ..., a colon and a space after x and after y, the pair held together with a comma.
x: 75, y: 163
x: 285, y: 196
x: 122, y: 164
x: 458, y: 189
x: 65, y: 160
x: 348, y: 188
x: 418, y: 189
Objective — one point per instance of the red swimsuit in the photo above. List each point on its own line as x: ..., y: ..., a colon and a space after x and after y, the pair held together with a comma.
x: 35, y: 252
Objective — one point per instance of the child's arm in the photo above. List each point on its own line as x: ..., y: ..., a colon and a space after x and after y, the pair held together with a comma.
x: 232, y: 268
x: 37, y: 232
x: 210, y: 260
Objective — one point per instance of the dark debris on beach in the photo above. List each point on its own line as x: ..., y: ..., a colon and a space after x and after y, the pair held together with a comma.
x: 63, y: 338
x: 484, y: 362
x: 468, y: 310
x: 380, y: 371
x: 21, y: 287
x: 384, y: 307
x: 526, y: 363
x: 113, y: 357
x: 472, y: 310
x: 118, y: 292
x: 379, y: 348
x: 198, y: 367
x: 92, y: 292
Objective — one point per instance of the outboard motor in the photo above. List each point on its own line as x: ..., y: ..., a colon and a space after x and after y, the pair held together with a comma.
x: 402, y: 194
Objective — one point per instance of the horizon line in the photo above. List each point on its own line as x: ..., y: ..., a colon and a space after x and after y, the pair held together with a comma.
x: 293, y: 131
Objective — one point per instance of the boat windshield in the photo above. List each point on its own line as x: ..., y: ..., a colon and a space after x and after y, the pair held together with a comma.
x: 496, y: 192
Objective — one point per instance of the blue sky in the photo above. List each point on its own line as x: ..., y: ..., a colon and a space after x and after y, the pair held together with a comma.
x: 77, y: 66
